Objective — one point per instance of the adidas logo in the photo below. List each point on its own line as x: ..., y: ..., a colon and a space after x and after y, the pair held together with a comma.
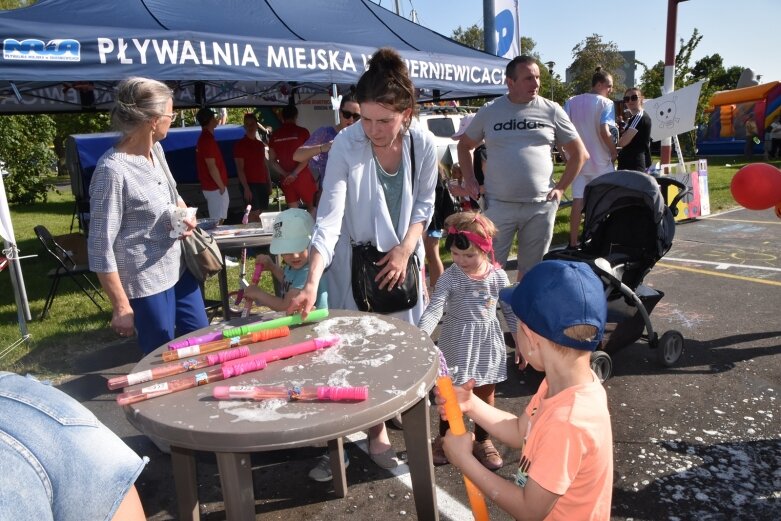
x: 514, y: 124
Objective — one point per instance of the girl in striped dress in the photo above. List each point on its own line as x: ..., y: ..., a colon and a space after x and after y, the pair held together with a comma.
x: 471, y: 337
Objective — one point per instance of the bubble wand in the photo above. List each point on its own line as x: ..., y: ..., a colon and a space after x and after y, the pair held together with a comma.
x: 225, y: 343
x: 294, y: 394
x: 183, y: 366
x: 455, y: 418
x: 255, y: 279
x: 229, y: 369
x: 243, y: 273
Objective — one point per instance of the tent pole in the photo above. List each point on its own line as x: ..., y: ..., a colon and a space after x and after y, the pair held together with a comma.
x: 17, y: 280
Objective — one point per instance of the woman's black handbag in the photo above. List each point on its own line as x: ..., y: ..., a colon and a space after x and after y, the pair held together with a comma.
x: 368, y: 296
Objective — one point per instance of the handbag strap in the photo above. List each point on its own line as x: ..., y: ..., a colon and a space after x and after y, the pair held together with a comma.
x: 412, y: 160
x: 168, y: 175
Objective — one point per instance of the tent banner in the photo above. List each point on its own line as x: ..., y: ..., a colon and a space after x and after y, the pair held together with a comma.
x: 160, y: 55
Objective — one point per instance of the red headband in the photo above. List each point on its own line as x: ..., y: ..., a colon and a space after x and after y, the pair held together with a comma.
x: 484, y: 244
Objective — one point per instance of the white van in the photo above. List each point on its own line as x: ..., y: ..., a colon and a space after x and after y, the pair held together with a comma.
x: 443, y: 123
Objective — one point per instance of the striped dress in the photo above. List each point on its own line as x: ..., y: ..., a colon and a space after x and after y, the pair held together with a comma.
x: 470, y: 337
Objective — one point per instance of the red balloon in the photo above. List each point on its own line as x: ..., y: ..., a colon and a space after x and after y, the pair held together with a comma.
x: 757, y: 186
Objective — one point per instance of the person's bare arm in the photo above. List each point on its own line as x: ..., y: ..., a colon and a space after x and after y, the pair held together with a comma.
x: 578, y: 155
x: 130, y: 509
x: 465, y: 147
x: 305, y: 153
x: 627, y: 137
x: 122, y: 318
x: 607, y: 139
x: 243, y: 178
x: 273, y: 161
x: 211, y: 164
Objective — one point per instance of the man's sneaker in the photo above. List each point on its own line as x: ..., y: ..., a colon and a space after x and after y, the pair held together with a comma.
x: 231, y: 261
x: 322, y: 471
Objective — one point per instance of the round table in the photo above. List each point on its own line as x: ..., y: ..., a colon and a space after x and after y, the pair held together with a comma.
x: 395, y: 360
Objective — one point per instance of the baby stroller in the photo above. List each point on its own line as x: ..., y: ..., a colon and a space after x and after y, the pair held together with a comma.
x: 627, y: 229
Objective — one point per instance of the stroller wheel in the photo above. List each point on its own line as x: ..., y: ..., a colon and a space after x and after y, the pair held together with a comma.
x: 602, y: 365
x: 670, y: 348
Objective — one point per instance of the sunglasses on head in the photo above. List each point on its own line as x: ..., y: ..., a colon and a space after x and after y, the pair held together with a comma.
x: 458, y: 239
x: 346, y: 114
x: 633, y: 97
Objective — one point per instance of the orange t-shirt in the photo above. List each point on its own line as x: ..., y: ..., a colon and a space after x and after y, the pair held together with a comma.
x: 569, y: 451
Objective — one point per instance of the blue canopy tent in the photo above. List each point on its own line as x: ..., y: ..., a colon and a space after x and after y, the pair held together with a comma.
x: 66, y: 55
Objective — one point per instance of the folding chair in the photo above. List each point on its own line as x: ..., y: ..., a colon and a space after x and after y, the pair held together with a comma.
x: 66, y: 267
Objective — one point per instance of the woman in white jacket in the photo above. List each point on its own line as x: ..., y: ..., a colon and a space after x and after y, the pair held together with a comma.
x: 369, y: 196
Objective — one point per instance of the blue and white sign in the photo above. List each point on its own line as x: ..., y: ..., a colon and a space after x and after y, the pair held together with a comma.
x: 508, y: 35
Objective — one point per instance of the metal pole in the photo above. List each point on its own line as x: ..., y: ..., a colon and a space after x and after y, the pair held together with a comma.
x: 489, y: 26
x: 669, y: 66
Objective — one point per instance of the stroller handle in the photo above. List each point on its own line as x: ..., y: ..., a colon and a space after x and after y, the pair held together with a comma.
x: 664, y: 185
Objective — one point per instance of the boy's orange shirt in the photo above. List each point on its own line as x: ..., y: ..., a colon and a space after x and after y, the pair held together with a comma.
x: 569, y: 451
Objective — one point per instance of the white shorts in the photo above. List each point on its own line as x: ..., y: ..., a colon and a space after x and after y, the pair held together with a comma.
x: 218, y: 203
x: 580, y: 182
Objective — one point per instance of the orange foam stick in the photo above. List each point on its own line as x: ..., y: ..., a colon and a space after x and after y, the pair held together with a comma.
x: 456, y: 420
x: 225, y: 343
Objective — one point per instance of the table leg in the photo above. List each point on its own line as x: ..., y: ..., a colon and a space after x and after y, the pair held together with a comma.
x: 223, y: 279
x: 336, y: 454
x: 417, y: 434
x: 236, y: 481
x: 185, y: 483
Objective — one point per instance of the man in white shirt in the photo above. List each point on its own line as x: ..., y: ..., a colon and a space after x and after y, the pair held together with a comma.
x: 592, y: 113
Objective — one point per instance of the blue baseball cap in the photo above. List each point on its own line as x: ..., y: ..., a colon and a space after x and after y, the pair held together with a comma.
x: 556, y: 295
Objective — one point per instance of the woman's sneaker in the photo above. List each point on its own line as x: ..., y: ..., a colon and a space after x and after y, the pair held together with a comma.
x: 322, y: 471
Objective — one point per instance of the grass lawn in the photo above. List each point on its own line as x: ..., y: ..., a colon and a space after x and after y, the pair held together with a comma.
x: 74, y: 324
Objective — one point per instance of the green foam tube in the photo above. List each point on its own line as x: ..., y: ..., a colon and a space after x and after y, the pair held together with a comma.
x: 291, y: 320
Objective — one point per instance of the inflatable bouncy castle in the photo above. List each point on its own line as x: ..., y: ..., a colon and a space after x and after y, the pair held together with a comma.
x: 730, y: 110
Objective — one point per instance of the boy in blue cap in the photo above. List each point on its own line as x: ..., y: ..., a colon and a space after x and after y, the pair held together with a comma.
x: 564, y: 434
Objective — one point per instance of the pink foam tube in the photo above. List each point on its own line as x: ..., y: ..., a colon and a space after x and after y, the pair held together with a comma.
x: 221, y: 357
x: 208, y: 337
x: 307, y: 346
x: 339, y: 394
x: 242, y: 365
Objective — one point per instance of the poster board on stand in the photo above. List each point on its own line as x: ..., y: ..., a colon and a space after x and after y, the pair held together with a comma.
x: 693, y: 174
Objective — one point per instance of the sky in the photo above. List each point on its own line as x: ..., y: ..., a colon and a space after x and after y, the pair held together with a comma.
x: 743, y: 32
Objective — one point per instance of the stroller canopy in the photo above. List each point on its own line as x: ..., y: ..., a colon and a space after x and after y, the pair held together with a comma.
x: 613, y: 191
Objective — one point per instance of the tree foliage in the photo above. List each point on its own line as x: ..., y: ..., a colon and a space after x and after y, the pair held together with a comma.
x: 6, y: 5
x: 590, y: 54
x: 25, y: 149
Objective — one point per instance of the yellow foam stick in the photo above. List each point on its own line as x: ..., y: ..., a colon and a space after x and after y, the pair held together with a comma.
x: 456, y: 421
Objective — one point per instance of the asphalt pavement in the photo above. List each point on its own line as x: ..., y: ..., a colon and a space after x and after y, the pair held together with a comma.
x: 697, y: 441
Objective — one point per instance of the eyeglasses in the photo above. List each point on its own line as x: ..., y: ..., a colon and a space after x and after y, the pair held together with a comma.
x: 172, y: 115
x: 633, y: 97
x: 346, y: 114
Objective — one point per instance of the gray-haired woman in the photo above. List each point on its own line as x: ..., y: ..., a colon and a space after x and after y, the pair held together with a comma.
x: 132, y: 200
